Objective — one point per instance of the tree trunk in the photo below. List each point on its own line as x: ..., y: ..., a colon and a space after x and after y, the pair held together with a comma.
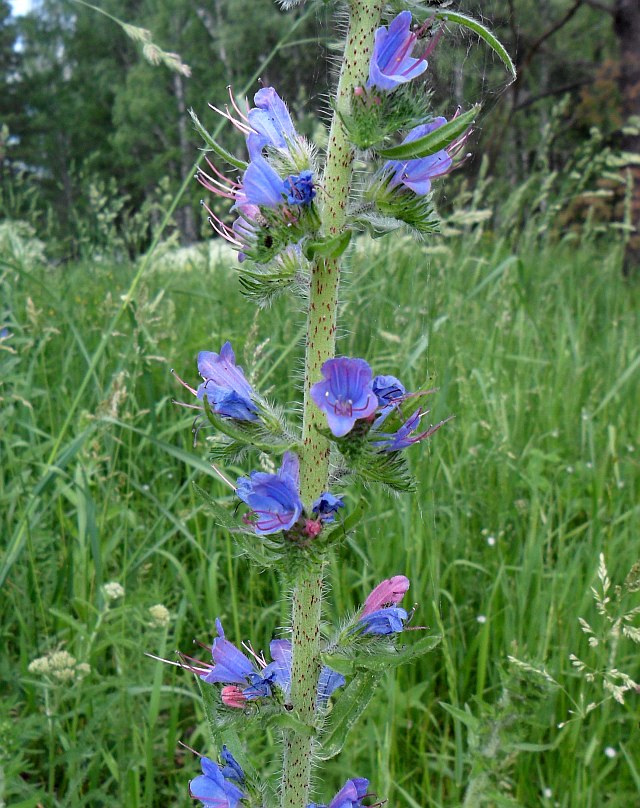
x: 627, y: 28
x: 184, y: 216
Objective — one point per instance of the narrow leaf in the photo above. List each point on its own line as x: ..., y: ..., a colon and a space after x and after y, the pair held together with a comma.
x: 439, y: 139
x: 464, y: 716
x: 346, y: 711
x: 214, y: 145
x: 222, y: 516
x: 289, y: 721
x: 340, y: 663
x: 385, y: 660
x: 329, y: 247
x: 484, y: 33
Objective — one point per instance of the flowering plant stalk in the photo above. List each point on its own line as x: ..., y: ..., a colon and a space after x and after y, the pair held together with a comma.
x: 293, y: 222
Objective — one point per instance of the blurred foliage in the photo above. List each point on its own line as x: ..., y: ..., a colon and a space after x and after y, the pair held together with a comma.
x: 83, y: 108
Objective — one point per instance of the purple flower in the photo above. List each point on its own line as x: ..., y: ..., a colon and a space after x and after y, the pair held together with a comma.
x: 327, y: 506
x: 273, y: 498
x: 214, y: 787
x: 392, y: 63
x: 417, y: 174
x: 230, y: 666
x: 404, y: 437
x: 246, y: 680
x: 270, y: 123
x: 228, y: 392
x: 345, y: 394
x: 389, y: 391
x: 299, y: 188
x: 350, y: 795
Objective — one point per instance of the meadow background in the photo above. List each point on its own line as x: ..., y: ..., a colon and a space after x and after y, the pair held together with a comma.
x: 520, y: 315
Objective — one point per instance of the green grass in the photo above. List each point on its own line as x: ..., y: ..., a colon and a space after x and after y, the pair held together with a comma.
x: 538, y: 357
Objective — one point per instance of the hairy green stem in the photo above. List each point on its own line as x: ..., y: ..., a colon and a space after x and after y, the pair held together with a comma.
x: 320, y: 346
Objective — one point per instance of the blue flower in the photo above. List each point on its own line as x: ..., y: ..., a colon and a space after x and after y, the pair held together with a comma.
x: 416, y: 175
x: 350, y: 795
x: 388, y: 391
x: 390, y: 620
x: 273, y: 498
x: 214, y: 787
x: 392, y: 63
x: 270, y: 123
x: 230, y: 666
x: 327, y: 506
x: 299, y: 188
x: 329, y: 681
x: 231, y: 768
x: 345, y: 394
x: 261, y: 185
x: 228, y: 392
x: 406, y: 435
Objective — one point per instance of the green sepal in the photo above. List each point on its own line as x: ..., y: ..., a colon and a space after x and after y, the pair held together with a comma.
x: 288, y: 271
x: 400, y: 209
x: 215, y: 146
x: 264, y: 286
x: 375, y: 115
x: 268, y: 434
x: 347, y: 709
x: 383, y: 660
x: 484, y: 33
x: 439, y: 139
x: 362, y: 459
x: 328, y: 247
x: 389, y: 468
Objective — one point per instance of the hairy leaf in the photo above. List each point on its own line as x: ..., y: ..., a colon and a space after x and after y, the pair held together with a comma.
x: 439, y: 139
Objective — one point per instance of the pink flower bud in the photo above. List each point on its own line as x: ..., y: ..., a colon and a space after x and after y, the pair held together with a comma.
x: 312, y: 527
x: 387, y: 593
x: 232, y: 696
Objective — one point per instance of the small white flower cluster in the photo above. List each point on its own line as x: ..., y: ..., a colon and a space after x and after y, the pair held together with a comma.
x: 59, y: 666
x: 160, y: 616
x: 113, y: 590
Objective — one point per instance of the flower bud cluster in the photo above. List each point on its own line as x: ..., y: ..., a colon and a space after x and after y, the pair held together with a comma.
x: 274, y: 200
x: 60, y: 667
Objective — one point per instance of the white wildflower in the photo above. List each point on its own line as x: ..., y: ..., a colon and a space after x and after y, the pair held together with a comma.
x: 113, y: 590
x: 160, y: 616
